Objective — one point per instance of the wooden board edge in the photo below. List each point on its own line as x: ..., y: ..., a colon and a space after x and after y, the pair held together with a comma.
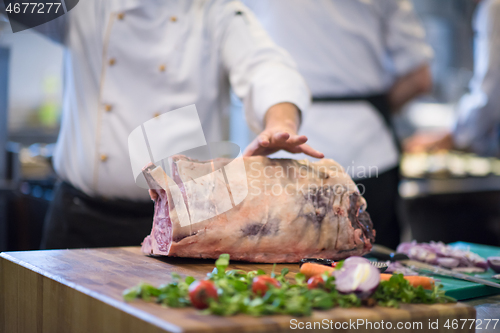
x: 101, y: 301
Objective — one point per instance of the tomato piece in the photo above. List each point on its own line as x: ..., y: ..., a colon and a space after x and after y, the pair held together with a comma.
x: 334, y: 263
x: 260, y: 284
x: 316, y: 282
x: 200, y: 292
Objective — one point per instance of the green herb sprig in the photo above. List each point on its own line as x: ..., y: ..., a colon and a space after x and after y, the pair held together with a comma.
x: 398, y: 290
x: 234, y: 288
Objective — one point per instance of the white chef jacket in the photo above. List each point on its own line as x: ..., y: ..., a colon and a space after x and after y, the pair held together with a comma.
x: 478, y: 118
x: 127, y: 61
x: 348, y: 48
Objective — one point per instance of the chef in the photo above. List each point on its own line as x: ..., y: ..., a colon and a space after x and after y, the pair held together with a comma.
x: 477, y: 126
x: 363, y: 60
x: 127, y: 61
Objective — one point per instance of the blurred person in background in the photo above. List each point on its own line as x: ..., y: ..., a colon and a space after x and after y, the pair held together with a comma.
x: 477, y: 126
x: 363, y: 60
x: 129, y: 61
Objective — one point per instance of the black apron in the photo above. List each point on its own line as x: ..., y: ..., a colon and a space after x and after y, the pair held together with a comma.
x: 380, y: 102
x: 76, y: 220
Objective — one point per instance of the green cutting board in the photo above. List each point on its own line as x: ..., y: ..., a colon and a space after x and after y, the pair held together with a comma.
x: 460, y: 289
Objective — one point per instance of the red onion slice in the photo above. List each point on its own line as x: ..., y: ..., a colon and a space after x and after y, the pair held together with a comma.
x: 396, y: 267
x: 448, y: 262
x: 422, y: 253
x: 482, y: 264
x: 494, y: 263
x: 354, y: 260
x: 433, y: 252
x: 405, y: 247
x: 361, y: 278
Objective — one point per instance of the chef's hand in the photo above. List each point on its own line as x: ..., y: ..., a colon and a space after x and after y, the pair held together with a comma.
x: 282, y: 121
x: 429, y: 142
x: 409, y: 86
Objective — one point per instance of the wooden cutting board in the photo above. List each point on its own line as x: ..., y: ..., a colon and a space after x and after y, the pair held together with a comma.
x: 80, y: 291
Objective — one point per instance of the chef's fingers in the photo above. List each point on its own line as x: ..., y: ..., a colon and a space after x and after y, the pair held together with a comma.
x: 308, y: 150
x: 257, y: 145
x: 267, y: 143
x: 153, y: 195
x: 251, y: 148
x: 280, y: 138
x: 296, y: 140
x: 255, y: 149
x: 263, y: 139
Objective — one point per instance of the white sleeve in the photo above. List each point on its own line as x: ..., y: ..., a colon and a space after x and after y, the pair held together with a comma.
x: 260, y: 73
x: 404, y: 36
x: 478, y: 117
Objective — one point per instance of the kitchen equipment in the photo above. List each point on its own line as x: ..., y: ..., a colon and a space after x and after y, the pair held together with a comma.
x: 320, y: 261
x: 381, y: 266
x: 81, y: 290
x: 4, y: 184
x: 458, y: 289
x: 383, y: 253
x: 434, y: 270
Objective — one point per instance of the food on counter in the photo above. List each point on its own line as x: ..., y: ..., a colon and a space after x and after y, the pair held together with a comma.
x: 494, y: 263
x: 261, y: 284
x: 200, y: 292
x: 355, y: 275
x: 448, y: 164
x: 293, y: 210
x: 398, y: 268
x: 358, y: 276
x: 447, y: 262
x: 415, y: 280
x: 311, y: 269
x: 399, y: 290
x: 438, y: 253
x: 316, y: 282
x: 469, y: 270
x: 236, y: 294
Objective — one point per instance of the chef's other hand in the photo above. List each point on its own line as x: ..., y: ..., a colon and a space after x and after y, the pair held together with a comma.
x: 409, y: 86
x: 282, y: 121
x: 428, y: 142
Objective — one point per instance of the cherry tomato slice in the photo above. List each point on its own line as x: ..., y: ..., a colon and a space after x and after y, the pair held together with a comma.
x: 200, y: 292
x: 261, y: 284
x: 316, y: 282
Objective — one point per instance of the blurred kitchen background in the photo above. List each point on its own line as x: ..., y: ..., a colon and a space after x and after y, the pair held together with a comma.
x: 446, y: 196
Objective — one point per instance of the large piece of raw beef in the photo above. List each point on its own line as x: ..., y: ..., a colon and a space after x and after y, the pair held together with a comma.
x: 293, y: 210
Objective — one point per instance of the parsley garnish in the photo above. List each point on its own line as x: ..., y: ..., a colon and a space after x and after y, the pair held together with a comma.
x: 236, y: 296
x: 398, y: 290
